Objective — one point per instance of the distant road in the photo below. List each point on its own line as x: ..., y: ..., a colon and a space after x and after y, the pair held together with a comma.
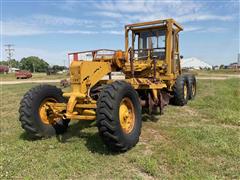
x: 217, y: 77
x: 30, y: 81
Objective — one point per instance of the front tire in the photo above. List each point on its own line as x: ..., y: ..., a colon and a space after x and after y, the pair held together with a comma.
x: 119, y: 116
x: 33, y: 117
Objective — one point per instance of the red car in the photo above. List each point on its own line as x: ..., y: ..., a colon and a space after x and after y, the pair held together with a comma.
x: 23, y: 74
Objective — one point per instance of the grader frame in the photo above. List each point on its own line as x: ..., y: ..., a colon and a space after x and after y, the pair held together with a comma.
x: 85, y: 74
x: 153, y: 77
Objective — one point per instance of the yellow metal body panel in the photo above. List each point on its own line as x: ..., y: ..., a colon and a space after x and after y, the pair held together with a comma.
x: 150, y: 74
x: 144, y: 83
x: 84, y: 75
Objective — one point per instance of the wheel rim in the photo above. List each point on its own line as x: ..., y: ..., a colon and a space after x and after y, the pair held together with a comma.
x: 185, y: 91
x: 126, y: 115
x: 45, y: 114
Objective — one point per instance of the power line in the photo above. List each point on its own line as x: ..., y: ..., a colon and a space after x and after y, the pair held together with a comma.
x: 9, y: 49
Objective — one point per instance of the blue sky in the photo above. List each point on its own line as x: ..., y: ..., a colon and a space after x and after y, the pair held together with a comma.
x: 51, y: 29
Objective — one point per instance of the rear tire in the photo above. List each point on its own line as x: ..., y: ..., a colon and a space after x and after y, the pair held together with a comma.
x: 192, y: 86
x: 30, y: 115
x: 180, y: 91
x: 110, y: 113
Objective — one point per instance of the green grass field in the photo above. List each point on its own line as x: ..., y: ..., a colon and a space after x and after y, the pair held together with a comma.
x: 219, y: 71
x: 197, y: 141
x: 214, y: 73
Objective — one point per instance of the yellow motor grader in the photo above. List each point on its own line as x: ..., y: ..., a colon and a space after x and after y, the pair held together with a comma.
x: 151, y: 78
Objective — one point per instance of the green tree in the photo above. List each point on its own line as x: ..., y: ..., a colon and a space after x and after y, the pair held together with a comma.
x: 5, y: 63
x: 58, y: 68
x: 221, y: 66
x: 33, y: 64
x: 12, y: 63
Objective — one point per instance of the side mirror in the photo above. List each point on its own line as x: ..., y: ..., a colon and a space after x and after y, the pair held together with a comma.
x: 181, y: 57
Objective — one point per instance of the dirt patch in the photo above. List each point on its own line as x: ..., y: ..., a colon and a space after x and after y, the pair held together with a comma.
x: 190, y: 111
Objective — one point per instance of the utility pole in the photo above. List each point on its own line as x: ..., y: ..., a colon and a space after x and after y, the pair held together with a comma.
x: 9, y: 49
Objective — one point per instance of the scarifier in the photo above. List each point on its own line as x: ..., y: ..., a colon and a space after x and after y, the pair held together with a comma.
x: 152, y: 78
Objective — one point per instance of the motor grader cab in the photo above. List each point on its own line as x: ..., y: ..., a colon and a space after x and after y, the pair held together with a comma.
x: 153, y: 49
x: 152, y: 78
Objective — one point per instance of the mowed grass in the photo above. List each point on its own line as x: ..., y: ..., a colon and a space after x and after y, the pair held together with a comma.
x: 197, y: 141
x: 219, y: 71
x: 224, y: 73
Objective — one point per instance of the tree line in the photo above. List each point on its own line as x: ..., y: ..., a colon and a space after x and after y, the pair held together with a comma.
x: 32, y: 63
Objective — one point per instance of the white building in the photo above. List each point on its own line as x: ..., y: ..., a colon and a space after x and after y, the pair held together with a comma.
x: 13, y: 70
x: 194, y: 63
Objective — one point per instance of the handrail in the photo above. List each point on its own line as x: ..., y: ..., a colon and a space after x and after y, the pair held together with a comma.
x: 148, y: 49
x: 89, y: 51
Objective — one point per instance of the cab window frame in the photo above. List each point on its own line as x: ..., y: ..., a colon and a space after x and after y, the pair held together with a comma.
x: 151, y: 33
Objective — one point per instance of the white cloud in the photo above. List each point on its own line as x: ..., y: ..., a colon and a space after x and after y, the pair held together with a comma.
x: 109, y: 14
x: 50, y: 56
x: 48, y: 24
x: 111, y: 17
x: 60, y: 20
x: 75, y: 32
x: 67, y: 5
x: 55, y: 20
x: 114, y: 32
x: 109, y: 24
x: 43, y: 24
x: 18, y: 28
x: 213, y: 30
x: 203, y: 17
x: 199, y: 29
x: 192, y: 28
x: 184, y: 11
x: 125, y: 6
x: 146, y: 6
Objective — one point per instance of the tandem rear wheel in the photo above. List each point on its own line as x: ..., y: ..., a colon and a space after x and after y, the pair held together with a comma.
x: 184, y: 89
x: 192, y: 86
